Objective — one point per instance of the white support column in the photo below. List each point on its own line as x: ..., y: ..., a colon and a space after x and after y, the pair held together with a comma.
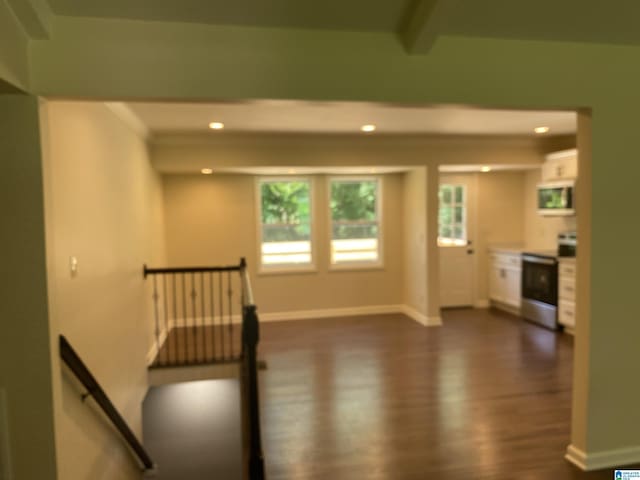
x: 433, y: 254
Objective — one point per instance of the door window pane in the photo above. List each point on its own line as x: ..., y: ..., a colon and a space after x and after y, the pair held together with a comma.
x: 452, y: 218
x: 459, y: 215
x: 459, y: 194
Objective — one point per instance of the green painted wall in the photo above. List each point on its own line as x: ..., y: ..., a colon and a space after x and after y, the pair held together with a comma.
x: 126, y: 59
x: 13, y: 49
x: 25, y: 362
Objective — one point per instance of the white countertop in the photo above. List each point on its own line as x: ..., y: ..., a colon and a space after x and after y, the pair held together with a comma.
x: 518, y: 250
x: 567, y: 259
x: 544, y: 253
x: 513, y: 249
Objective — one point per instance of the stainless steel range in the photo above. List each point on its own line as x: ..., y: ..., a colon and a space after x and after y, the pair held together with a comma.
x: 540, y: 288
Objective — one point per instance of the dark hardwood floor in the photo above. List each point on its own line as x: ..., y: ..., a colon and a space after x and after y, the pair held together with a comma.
x: 192, y: 430
x: 200, y: 345
x: 487, y: 396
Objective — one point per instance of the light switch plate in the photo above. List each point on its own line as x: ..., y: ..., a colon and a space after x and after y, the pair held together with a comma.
x: 73, y: 266
x: 5, y: 454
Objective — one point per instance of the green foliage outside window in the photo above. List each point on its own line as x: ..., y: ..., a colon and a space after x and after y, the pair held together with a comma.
x: 286, y: 207
x: 353, y: 209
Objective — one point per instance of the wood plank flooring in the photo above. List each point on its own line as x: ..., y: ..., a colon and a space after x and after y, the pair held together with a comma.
x: 487, y: 396
x: 200, y: 345
x: 192, y: 430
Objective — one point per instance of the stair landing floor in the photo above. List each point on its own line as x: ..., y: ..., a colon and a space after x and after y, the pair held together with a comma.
x: 193, y: 431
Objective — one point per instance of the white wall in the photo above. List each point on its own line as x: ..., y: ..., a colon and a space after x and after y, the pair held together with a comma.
x: 212, y: 220
x: 103, y: 205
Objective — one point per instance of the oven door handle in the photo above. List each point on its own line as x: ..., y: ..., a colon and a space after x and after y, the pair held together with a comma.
x: 543, y: 261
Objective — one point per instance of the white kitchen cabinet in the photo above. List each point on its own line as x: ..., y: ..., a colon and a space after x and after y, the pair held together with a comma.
x: 505, y: 279
x: 567, y: 314
x: 560, y: 166
x: 567, y: 294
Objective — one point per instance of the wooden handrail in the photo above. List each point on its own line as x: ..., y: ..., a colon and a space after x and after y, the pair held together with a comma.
x: 154, y: 271
x: 77, y: 366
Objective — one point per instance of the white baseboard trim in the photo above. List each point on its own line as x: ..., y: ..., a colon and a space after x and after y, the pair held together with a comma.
x: 155, y: 346
x: 329, y: 312
x: 298, y: 315
x: 605, y: 459
x: 484, y: 303
x: 576, y: 456
x: 421, y: 318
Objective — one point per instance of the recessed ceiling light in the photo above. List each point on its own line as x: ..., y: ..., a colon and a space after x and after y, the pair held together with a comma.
x: 207, y: 171
x: 541, y: 129
x: 368, y: 128
x: 485, y: 169
x: 216, y: 125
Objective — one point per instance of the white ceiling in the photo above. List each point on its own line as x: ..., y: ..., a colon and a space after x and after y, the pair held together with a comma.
x: 284, y: 116
x: 478, y: 168
x: 276, y: 171
x: 380, y: 170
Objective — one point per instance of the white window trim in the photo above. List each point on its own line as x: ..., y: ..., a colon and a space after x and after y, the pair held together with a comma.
x: 285, y: 268
x: 361, y: 265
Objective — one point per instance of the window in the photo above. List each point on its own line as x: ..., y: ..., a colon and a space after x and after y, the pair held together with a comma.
x: 452, y: 215
x: 355, y: 221
x: 285, y: 222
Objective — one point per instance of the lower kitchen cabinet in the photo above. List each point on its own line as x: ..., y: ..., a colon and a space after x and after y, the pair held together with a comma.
x: 567, y: 313
x: 505, y: 279
x: 567, y: 294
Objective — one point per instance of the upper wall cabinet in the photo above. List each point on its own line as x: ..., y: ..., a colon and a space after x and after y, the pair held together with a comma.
x: 561, y: 166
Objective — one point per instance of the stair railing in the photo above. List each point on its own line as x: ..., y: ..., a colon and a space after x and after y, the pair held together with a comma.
x: 94, y: 390
x: 194, y: 315
x: 254, y: 460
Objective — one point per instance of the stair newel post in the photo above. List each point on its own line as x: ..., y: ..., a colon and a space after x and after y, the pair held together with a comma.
x: 251, y: 336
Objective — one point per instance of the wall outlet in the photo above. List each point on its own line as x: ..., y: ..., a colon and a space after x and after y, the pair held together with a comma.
x: 5, y: 454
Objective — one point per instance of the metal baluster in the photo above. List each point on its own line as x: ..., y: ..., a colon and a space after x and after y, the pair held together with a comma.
x: 202, y: 327
x: 175, y: 319
x: 184, y: 318
x: 194, y: 327
x: 166, y: 319
x: 221, y: 303
x: 230, y: 326
x: 156, y: 314
x: 243, y: 302
x: 213, y: 318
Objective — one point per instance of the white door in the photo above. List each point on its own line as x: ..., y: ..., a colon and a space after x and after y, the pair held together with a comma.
x: 454, y: 238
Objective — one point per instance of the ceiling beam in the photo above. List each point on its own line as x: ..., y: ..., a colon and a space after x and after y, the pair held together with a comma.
x: 34, y: 16
x: 424, y: 23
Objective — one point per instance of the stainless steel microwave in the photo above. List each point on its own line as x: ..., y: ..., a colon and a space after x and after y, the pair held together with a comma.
x: 556, y: 198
